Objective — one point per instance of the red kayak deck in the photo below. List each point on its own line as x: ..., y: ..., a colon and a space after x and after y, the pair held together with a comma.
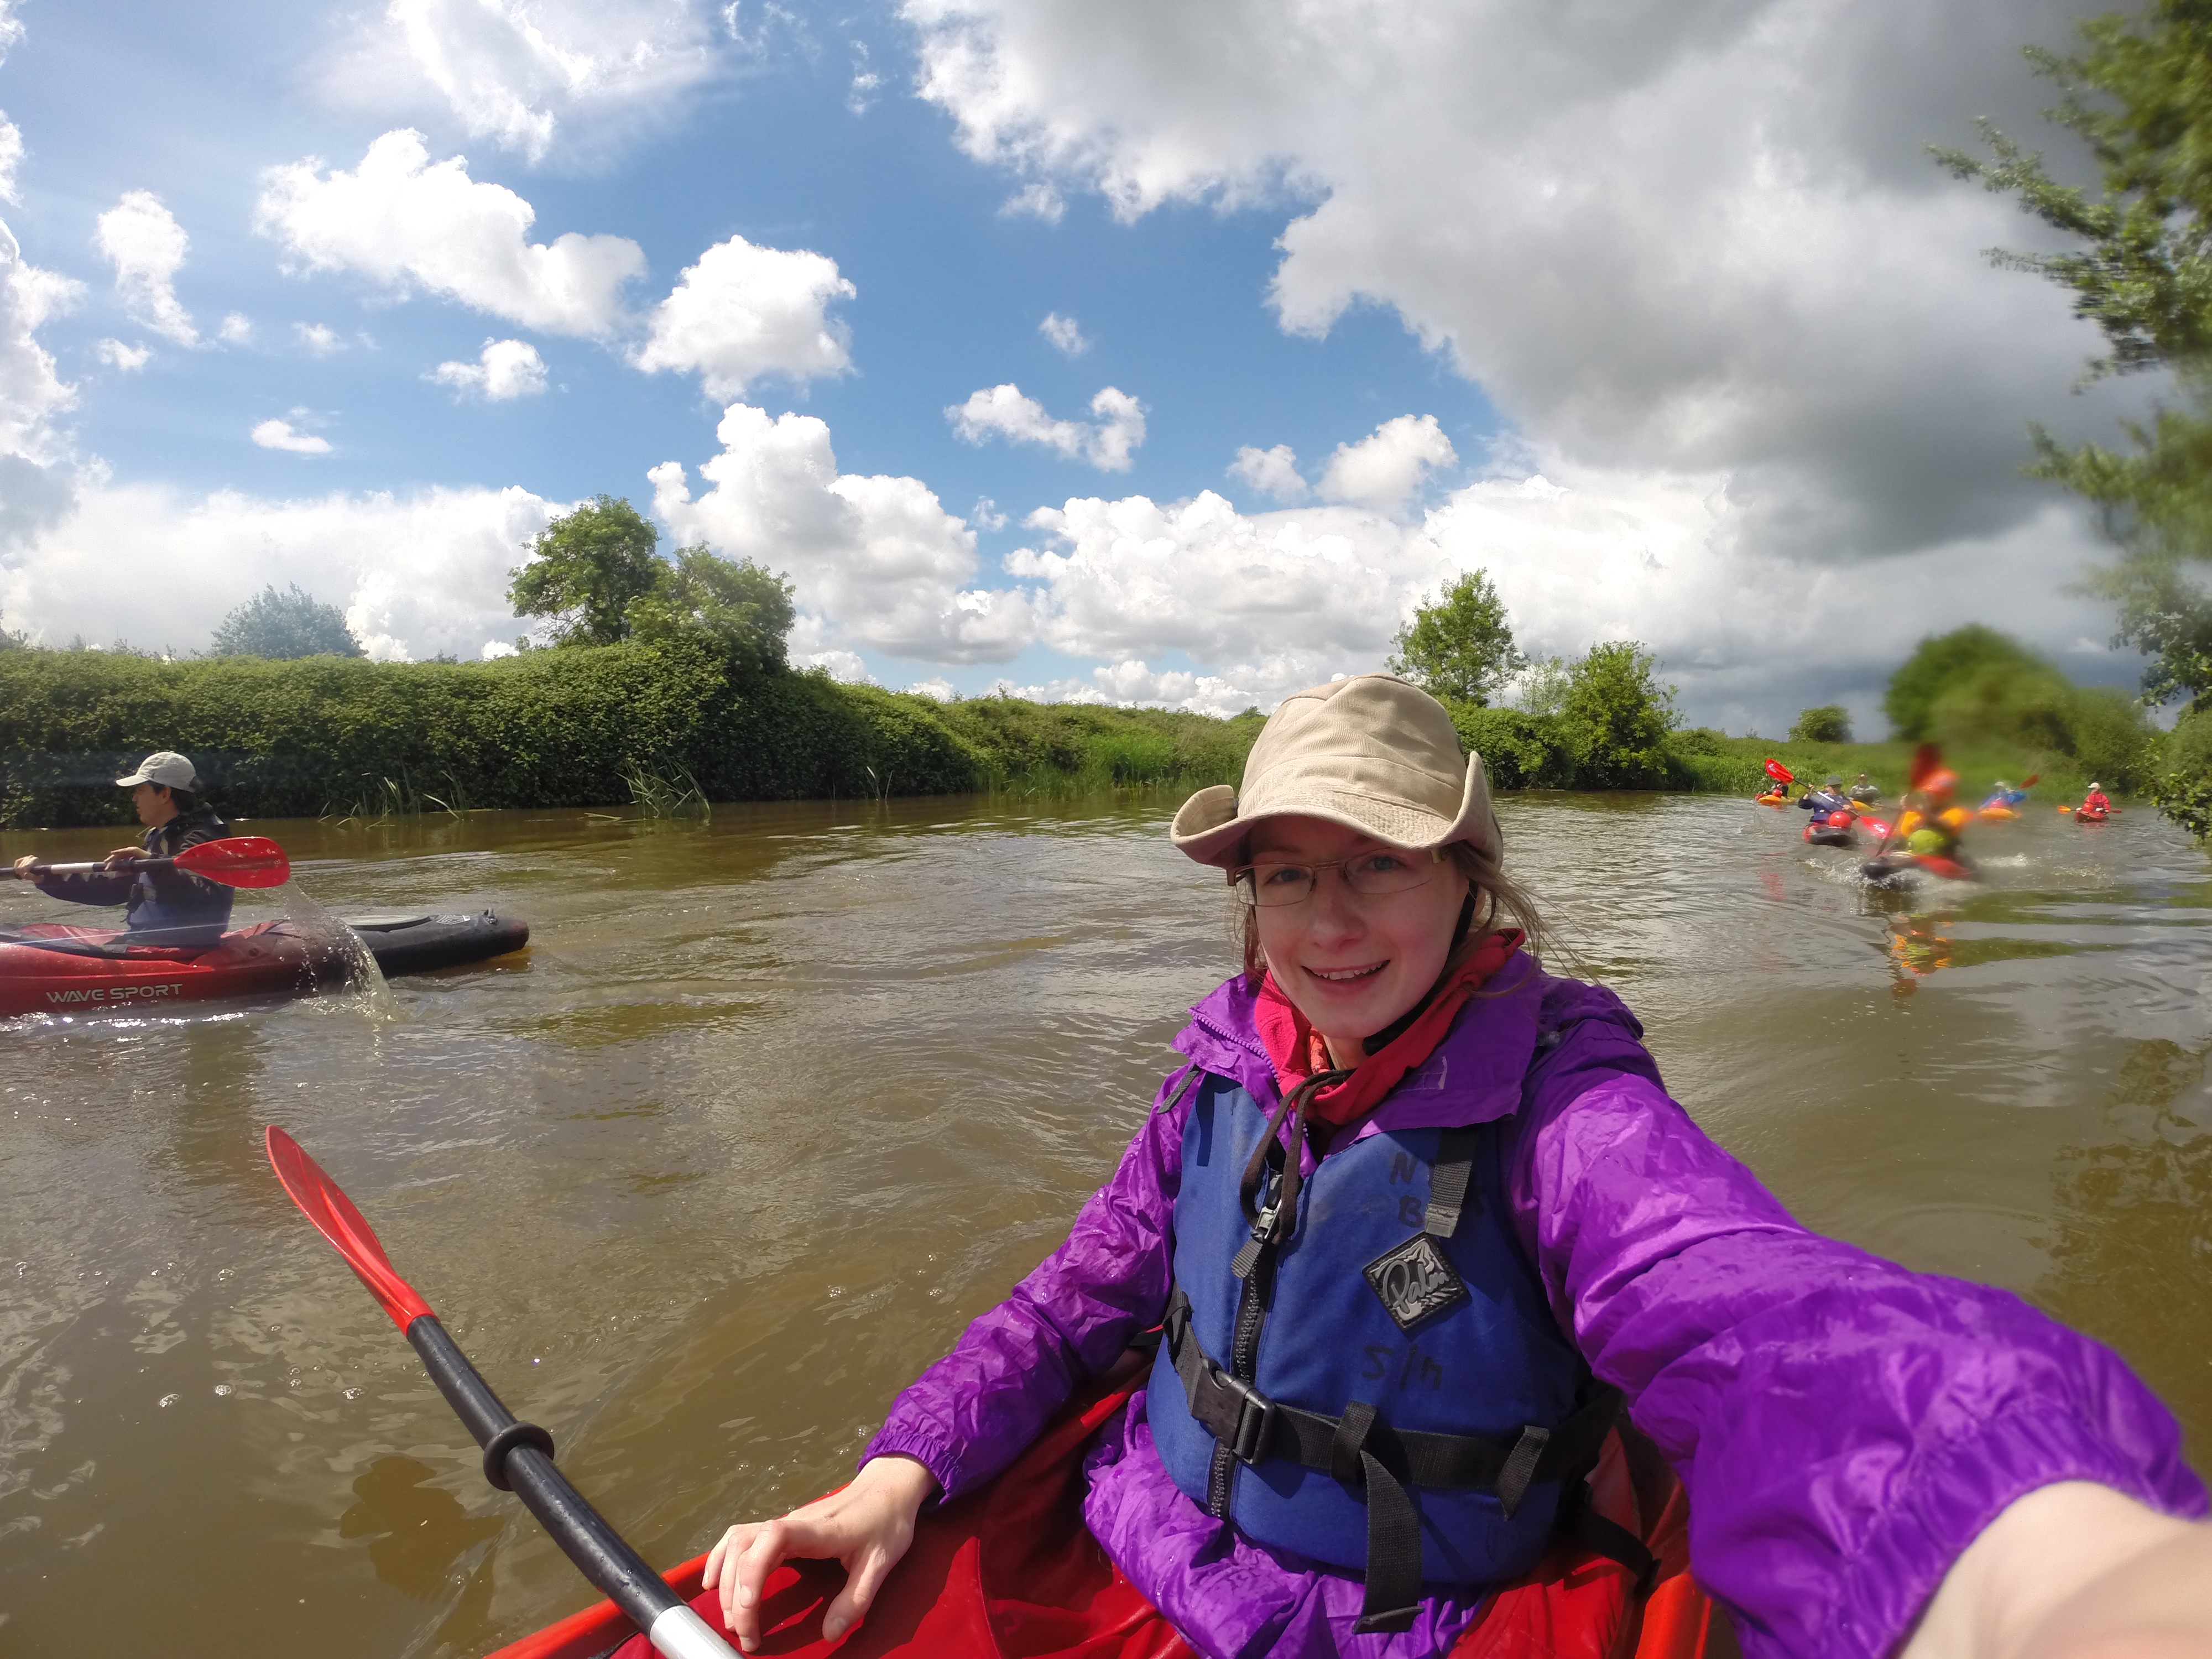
x: 1010, y: 1573
x: 50, y: 968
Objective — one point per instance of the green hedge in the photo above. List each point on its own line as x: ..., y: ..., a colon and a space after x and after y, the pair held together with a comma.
x: 573, y: 727
x: 324, y: 735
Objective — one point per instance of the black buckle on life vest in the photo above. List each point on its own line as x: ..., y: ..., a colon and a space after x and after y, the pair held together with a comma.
x: 1255, y: 1418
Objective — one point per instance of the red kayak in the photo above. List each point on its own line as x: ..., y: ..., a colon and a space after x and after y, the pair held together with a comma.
x: 2081, y: 815
x: 48, y: 968
x: 1010, y: 1573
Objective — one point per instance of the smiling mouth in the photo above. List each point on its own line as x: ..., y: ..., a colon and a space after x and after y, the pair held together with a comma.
x: 1347, y: 975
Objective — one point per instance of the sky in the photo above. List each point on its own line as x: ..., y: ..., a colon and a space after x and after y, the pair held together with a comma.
x: 1141, y: 352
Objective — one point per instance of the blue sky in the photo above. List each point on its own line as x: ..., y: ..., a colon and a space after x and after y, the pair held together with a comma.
x: 1741, y: 386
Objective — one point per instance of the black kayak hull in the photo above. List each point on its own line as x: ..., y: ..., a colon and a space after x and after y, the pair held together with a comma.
x: 413, y: 942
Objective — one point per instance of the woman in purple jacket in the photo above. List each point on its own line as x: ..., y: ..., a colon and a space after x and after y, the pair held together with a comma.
x: 1419, y: 1219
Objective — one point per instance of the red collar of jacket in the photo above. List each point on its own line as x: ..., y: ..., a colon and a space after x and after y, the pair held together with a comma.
x: 1298, y: 1051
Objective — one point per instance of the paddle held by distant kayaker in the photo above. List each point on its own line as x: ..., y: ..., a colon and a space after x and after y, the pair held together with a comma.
x: 1434, y: 1257
x: 1828, y: 798
x: 167, y: 906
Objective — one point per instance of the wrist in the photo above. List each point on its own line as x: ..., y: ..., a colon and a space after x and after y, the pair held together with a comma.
x: 903, y: 1479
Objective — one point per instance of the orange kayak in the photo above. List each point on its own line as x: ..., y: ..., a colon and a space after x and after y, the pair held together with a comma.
x: 1010, y: 1573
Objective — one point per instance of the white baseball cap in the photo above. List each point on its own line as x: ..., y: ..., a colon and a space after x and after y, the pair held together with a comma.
x: 163, y: 766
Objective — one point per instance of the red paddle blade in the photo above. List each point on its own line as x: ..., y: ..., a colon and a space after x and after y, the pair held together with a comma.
x: 239, y: 861
x: 1780, y: 773
x: 2031, y: 780
x: 336, y: 1219
x: 1926, y: 761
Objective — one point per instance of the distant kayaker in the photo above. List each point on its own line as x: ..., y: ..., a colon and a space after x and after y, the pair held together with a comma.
x: 2096, y: 802
x: 165, y: 906
x: 2006, y: 796
x: 1865, y: 792
x: 1828, y: 798
x: 1411, y: 1212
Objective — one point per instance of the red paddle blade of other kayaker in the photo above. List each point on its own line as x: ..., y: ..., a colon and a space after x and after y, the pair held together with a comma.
x: 239, y: 861
x: 336, y: 1219
x: 1780, y: 773
x: 1927, y: 762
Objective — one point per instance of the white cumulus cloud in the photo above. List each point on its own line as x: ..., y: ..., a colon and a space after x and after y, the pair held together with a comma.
x: 276, y: 433
x: 404, y: 221
x: 1272, y: 473
x: 743, y: 312
x: 1064, y: 334
x: 237, y: 329
x: 143, y: 241
x: 1685, y: 240
x: 418, y: 576
x: 876, y: 560
x: 503, y: 370
x: 520, y: 72
x: 31, y: 395
x: 128, y: 358
x: 319, y: 339
x: 1002, y: 412
x: 1385, y: 469
x: 1262, y: 604
x: 11, y: 159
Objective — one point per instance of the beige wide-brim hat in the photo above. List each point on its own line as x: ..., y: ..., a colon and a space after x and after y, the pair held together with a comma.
x: 1371, y: 752
x: 164, y: 766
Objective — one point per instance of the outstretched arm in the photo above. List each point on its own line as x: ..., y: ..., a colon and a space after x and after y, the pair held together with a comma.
x: 1847, y: 1431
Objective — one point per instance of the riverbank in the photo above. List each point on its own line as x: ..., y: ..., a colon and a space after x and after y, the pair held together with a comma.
x: 670, y: 724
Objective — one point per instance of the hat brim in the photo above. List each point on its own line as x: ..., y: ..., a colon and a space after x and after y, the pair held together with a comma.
x: 1210, y: 829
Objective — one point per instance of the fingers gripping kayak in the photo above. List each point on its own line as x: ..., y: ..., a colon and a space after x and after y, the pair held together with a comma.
x: 868, y: 1525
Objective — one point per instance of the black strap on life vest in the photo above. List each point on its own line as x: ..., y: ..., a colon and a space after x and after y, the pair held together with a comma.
x: 1367, y: 1455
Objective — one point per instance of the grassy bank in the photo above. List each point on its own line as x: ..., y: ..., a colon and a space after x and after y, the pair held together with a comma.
x: 326, y: 736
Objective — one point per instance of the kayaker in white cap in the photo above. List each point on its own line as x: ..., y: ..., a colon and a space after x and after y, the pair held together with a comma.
x: 165, y: 906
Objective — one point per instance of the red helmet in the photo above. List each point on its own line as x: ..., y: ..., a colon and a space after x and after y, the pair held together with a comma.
x: 1839, y: 819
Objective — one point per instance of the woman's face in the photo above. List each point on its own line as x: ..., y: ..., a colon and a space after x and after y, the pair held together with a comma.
x: 1353, y: 964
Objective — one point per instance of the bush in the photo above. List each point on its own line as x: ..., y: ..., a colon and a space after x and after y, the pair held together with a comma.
x: 2182, y: 789
x: 1938, y: 662
x: 1829, y: 723
x: 1616, y: 718
x: 1518, y: 750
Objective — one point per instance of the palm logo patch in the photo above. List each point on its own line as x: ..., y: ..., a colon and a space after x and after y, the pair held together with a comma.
x: 1414, y: 1281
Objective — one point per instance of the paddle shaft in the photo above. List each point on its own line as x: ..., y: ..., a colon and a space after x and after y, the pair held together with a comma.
x: 524, y: 1466
x: 102, y: 866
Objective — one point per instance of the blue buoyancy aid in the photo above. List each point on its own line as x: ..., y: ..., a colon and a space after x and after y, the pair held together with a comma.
x: 1388, y: 1315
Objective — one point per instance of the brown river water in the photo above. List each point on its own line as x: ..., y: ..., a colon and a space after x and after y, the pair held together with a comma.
x: 770, y: 1108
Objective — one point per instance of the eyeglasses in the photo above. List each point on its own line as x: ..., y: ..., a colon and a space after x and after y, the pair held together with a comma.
x: 1369, y: 875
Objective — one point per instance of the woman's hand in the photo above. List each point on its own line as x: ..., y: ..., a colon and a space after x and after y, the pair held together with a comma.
x: 2075, y: 1572
x: 868, y: 1525
x: 23, y: 867
x: 123, y: 855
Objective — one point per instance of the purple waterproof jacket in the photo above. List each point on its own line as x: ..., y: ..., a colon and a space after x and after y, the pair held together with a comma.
x: 1844, y: 1428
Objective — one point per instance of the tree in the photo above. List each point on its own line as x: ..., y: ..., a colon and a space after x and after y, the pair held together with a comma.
x: 292, y: 624
x: 2139, y: 95
x: 1459, y: 646
x: 1938, y: 663
x: 1617, y: 717
x: 736, y: 604
x: 585, y: 567
x: 1830, y: 723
